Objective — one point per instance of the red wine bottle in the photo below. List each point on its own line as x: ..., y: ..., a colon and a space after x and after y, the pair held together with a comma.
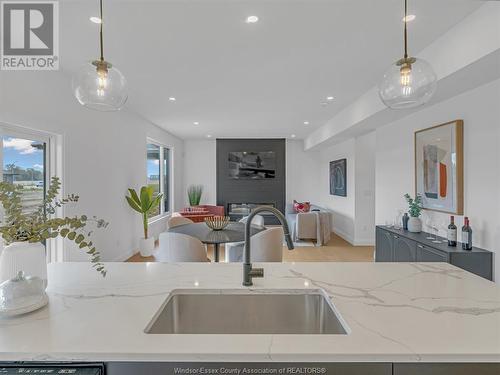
x: 466, y: 235
x: 452, y: 232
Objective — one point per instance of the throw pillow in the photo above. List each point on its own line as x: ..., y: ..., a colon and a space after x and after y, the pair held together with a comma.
x: 301, y: 206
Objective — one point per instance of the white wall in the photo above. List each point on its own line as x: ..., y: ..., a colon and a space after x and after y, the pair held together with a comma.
x: 365, y: 190
x: 200, y: 169
x: 480, y: 111
x: 343, y: 208
x: 103, y: 153
x: 302, y: 173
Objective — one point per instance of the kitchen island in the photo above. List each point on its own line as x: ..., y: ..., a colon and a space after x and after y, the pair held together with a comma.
x: 395, y: 313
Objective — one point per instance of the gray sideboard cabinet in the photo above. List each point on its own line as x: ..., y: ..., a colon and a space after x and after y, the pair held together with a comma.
x: 395, y: 245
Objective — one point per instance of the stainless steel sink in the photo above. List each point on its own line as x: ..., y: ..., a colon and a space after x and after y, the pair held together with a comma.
x: 247, y: 312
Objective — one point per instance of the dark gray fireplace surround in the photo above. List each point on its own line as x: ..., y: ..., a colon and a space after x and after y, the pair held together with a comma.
x: 269, y: 191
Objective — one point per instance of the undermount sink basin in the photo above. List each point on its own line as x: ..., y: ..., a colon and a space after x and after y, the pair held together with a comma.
x: 247, y: 312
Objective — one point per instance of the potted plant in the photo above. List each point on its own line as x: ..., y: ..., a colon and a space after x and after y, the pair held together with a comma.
x: 194, y: 194
x: 25, y: 232
x: 415, y: 209
x: 144, y: 203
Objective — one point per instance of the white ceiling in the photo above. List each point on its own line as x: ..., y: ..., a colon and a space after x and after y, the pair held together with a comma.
x: 249, y: 80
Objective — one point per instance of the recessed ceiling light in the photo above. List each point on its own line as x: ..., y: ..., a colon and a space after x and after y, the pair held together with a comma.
x: 409, y: 18
x: 209, y: 136
x: 306, y: 122
x: 252, y: 19
x: 172, y: 99
x: 293, y: 136
x: 330, y: 98
x: 95, y: 20
x: 196, y: 123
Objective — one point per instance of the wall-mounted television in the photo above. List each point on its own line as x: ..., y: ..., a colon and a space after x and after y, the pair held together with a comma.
x: 251, y: 165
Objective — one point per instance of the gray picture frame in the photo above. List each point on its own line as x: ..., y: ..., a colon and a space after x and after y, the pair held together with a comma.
x: 338, y: 177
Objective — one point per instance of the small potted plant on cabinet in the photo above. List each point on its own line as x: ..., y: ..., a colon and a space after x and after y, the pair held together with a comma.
x: 144, y: 203
x: 415, y: 210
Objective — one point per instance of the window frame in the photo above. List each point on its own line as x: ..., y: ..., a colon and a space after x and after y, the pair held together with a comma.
x: 161, y: 182
x: 52, y: 168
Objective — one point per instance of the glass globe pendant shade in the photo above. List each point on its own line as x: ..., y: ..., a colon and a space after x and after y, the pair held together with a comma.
x: 409, y: 83
x: 100, y: 86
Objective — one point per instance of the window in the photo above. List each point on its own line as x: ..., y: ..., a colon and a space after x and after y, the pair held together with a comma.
x: 158, y: 175
x: 24, y: 159
x: 29, y: 158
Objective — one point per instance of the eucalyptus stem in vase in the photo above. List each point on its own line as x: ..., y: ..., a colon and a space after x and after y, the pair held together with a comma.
x: 26, y: 231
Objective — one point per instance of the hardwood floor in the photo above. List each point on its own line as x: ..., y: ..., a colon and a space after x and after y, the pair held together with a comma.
x: 337, y: 250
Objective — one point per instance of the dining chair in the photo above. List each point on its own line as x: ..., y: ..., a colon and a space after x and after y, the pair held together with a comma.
x: 258, y: 220
x: 267, y: 246
x: 178, y: 247
x: 175, y: 221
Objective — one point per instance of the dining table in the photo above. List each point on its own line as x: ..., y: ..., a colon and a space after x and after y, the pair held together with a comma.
x: 234, y: 232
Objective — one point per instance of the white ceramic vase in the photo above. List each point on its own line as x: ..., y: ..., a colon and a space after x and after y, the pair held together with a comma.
x: 146, y: 246
x: 23, y: 256
x: 414, y: 225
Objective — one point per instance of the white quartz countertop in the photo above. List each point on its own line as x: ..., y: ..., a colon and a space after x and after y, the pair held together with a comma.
x: 396, y: 312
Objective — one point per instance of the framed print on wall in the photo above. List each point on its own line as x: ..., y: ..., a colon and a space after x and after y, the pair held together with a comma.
x: 439, y: 164
x: 338, y: 177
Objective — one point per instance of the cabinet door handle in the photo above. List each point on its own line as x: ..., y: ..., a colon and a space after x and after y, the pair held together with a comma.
x: 421, y: 246
x: 396, y: 237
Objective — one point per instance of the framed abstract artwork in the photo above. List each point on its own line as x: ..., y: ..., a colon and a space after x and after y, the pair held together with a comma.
x: 439, y: 164
x: 338, y: 177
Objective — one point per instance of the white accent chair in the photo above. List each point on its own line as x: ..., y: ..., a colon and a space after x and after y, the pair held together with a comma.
x: 176, y: 221
x: 267, y: 246
x: 258, y: 220
x: 178, y: 247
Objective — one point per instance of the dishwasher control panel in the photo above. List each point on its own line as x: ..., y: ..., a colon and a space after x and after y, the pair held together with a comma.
x: 51, y: 369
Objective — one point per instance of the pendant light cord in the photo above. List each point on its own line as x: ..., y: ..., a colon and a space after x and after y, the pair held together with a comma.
x: 100, y: 31
x: 406, y: 31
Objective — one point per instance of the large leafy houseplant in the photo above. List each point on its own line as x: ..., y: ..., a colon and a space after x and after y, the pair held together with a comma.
x: 39, y: 225
x: 194, y: 194
x: 144, y: 203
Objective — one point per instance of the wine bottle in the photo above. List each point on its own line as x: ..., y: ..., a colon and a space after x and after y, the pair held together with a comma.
x: 452, y: 232
x: 466, y: 235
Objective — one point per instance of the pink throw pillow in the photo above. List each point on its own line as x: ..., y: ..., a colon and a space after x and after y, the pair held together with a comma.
x: 301, y: 206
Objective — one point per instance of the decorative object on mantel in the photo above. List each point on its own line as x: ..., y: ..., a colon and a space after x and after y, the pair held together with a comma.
x: 439, y: 163
x: 217, y: 222
x: 415, y: 209
x: 338, y: 177
x: 25, y: 231
x: 194, y: 194
x: 145, y: 204
x: 410, y: 82
x: 21, y: 295
x: 405, y: 219
x: 98, y: 84
x: 301, y: 206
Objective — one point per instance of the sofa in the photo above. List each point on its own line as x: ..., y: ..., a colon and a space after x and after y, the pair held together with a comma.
x: 312, y: 225
x: 214, y: 210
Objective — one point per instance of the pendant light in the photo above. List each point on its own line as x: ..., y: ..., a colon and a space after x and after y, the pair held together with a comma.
x: 98, y: 84
x: 410, y: 81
